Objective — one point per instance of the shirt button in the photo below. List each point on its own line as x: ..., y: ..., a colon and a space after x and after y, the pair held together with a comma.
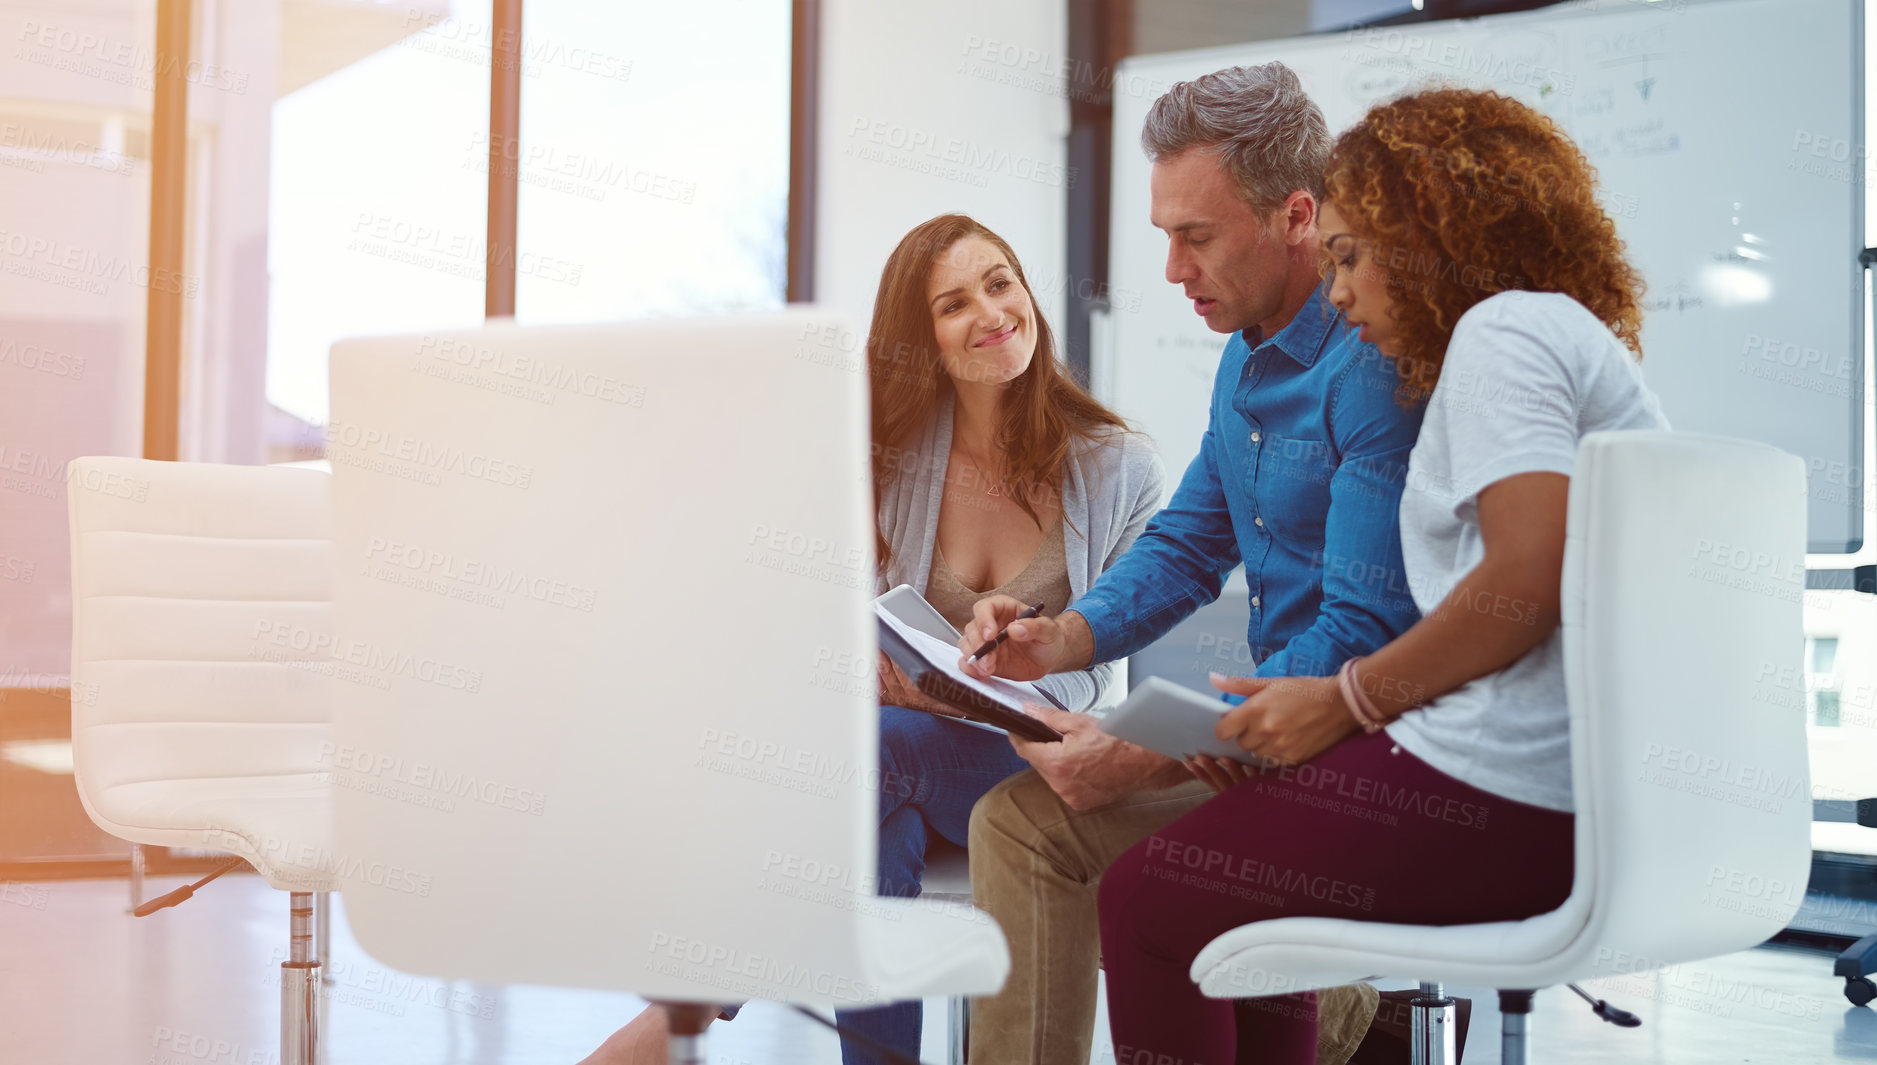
x: 1255, y: 437
x: 1254, y: 600
x: 1259, y: 522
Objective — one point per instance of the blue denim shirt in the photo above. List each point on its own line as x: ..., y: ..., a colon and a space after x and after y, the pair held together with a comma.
x: 1299, y: 477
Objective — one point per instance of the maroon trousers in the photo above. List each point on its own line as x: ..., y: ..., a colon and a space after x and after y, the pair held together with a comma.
x: 1365, y: 831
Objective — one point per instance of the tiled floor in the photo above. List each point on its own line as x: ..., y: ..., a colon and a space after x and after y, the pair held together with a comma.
x: 81, y: 983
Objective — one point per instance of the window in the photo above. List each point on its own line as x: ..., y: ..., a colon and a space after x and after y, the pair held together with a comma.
x: 1822, y: 685
x: 654, y: 159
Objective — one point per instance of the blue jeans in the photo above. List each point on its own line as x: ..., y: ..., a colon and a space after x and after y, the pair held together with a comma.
x: 932, y: 772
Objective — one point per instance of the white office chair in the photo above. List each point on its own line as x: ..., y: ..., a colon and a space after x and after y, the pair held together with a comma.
x: 1683, y: 573
x: 200, y: 630
x: 618, y: 576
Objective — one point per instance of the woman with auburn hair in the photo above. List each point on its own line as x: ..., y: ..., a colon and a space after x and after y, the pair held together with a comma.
x: 1462, y: 235
x: 994, y: 474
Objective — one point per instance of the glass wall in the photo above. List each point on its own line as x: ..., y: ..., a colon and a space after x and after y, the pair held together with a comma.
x: 338, y: 165
x: 378, y: 218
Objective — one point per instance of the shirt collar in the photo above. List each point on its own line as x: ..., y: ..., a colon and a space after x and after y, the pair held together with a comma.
x: 1304, y: 338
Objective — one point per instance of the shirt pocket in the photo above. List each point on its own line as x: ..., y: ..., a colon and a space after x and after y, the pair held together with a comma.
x: 1293, y: 488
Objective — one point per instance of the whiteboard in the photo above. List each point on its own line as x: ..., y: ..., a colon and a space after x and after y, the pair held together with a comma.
x: 1728, y: 138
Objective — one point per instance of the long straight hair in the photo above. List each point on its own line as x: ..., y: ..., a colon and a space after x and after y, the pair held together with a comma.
x: 1044, y: 412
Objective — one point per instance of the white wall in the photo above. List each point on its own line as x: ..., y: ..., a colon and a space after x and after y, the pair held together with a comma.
x: 921, y: 115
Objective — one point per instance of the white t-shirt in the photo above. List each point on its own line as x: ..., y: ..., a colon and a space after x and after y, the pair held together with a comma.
x: 1526, y: 375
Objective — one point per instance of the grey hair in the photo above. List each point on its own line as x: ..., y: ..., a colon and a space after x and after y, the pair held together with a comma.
x: 1266, y: 131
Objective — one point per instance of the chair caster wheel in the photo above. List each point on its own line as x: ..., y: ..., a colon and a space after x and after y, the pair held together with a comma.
x: 1859, y: 990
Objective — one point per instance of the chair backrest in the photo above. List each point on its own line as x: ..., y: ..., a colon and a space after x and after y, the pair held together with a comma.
x: 200, y: 597
x: 616, y: 581
x: 1684, y: 573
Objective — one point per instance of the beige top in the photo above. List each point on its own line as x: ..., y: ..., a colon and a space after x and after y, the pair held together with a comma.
x: 1045, y: 580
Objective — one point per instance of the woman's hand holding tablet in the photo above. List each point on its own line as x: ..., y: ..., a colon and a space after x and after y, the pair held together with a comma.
x: 1172, y: 720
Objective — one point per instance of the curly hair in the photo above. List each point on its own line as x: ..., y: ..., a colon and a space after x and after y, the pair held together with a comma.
x: 1461, y: 194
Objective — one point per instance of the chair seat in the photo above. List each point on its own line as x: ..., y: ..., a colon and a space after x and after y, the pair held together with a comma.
x: 925, y: 946
x: 281, y: 824
x: 1295, y: 954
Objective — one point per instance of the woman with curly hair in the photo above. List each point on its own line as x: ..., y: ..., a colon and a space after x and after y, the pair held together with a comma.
x: 1429, y: 782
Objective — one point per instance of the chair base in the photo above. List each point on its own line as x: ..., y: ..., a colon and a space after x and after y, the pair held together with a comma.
x: 959, y: 1036
x: 300, y: 1000
x: 302, y: 986
x: 136, y: 877
x: 686, y: 1022
x: 1515, y: 1009
x: 1856, y: 964
x: 1432, y: 1039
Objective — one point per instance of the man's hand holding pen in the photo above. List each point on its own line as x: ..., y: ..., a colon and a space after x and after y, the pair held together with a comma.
x: 1033, y: 646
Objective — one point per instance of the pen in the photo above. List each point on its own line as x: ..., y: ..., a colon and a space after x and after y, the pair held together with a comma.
x: 1004, y: 633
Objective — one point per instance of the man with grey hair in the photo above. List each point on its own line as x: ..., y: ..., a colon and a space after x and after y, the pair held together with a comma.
x: 1298, y: 477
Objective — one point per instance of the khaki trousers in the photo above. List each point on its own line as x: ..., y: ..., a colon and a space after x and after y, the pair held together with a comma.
x: 1035, y: 864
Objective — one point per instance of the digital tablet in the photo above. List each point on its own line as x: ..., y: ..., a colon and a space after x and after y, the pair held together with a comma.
x: 1173, y: 720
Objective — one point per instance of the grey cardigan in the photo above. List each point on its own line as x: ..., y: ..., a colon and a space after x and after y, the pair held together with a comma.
x: 1109, y: 490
